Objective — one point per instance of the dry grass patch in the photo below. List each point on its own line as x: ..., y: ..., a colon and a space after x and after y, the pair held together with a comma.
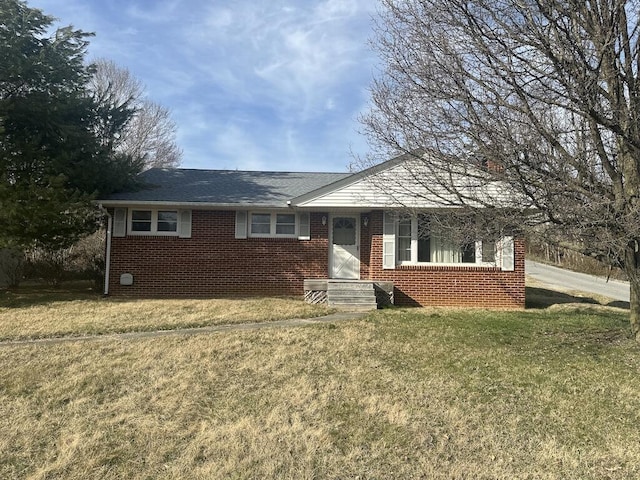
x: 405, y: 394
x: 540, y: 295
x: 52, y: 313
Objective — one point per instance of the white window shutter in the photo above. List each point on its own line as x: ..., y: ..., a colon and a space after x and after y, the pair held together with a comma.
x: 241, y: 224
x: 304, y: 230
x: 389, y: 242
x: 507, y: 254
x: 119, y: 222
x: 184, y: 225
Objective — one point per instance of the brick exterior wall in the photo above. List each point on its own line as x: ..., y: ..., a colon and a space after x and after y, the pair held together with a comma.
x: 455, y: 286
x: 214, y: 263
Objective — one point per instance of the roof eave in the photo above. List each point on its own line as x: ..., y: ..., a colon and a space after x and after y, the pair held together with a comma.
x: 191, y: 205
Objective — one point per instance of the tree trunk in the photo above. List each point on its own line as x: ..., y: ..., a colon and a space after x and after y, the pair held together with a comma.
x: 634, y: 309
x: 632, y: 269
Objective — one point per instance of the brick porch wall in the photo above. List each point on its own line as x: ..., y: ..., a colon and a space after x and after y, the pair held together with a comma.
x: 463, y: 286
x: 214, y: 263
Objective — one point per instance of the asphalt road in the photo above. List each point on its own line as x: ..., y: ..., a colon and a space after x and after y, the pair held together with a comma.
x: 568, y: 280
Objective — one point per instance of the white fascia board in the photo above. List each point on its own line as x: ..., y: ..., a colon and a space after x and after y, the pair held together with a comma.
x: 192, y: 205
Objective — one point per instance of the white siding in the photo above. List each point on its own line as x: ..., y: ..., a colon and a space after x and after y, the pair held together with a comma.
x: 410, y: 184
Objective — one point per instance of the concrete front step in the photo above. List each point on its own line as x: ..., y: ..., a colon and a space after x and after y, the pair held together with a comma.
x: 341, y: 293
x: 350, y: 291
x: 357, y: 286
x: 351, y: 295
x: 353, y: 300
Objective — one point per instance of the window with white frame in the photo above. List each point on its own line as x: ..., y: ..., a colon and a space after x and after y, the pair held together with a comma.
x: 260, y: 224
x: 153, y: 222
x: 150, y: 222
x: 285, y: 224
x: 405, y: 240
x: 141, y: 220
x: 272, y: 224
x: 167, y: 220
x: 420, y: 240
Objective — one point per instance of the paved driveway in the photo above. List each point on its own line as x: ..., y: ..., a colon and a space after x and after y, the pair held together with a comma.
x: 568, y: 280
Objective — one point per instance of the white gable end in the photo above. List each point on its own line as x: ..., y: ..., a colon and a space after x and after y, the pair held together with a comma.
x: 412, y: 184
x: 358, y: 194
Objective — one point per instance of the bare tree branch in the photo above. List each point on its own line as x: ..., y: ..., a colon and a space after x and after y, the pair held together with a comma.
x: 150, y: 134
x: 546, y: 92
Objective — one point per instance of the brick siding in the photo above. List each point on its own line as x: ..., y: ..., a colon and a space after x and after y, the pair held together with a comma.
x: 455, y: 286
x: 213, y: 263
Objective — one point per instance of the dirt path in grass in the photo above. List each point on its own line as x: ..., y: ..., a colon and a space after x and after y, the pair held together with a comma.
x: 293, y: 322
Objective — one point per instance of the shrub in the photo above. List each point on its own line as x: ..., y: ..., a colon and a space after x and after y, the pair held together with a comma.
x: 11, y: 267
x: 82, y: 261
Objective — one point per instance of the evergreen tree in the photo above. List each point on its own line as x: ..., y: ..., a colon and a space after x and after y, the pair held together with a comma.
x: 54, y: 158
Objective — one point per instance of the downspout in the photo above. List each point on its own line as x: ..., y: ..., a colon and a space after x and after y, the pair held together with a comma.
x: 107, y: 255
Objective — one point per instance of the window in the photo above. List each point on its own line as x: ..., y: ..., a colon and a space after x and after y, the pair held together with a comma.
x: 488, y: 250
x: 154, y: 222
x: 421, y: 241
x: 404, y: 240
x: 344, y: 231
x: 260, y: 224
x: 141, y: 220
x: 272, y: 225
x: 167, y: 221
x: 285, y: 224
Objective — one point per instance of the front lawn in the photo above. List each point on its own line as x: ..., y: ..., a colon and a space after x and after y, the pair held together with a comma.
x: 40, y: 312
x: 401, y: 394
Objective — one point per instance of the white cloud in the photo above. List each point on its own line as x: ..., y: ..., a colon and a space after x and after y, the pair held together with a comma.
x: 286, y: 54
x: 162, y: 11
x: 252, y: 85
x: 220, y: 19
x: 332, y: 9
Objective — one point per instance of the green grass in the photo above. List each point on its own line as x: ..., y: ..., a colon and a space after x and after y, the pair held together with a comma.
x: 404, y: 393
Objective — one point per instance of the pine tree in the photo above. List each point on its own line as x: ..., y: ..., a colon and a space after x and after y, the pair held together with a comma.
x: 53, y: 159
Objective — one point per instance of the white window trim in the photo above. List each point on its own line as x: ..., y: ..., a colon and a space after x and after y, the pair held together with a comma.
x: 272, y: 229
x: 414, y: 252
x: 154, y: 222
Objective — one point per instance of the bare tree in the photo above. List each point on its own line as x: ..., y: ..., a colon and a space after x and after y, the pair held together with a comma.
x: 150, y: 133
x: 540, y: 95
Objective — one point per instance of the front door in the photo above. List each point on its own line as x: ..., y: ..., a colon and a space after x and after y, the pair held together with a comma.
x: 345, y: 246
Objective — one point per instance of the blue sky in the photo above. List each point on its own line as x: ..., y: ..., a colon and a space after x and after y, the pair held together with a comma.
x: 252, y: 85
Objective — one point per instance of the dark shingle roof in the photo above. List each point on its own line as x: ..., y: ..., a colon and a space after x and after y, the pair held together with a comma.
x: 225, y: 187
